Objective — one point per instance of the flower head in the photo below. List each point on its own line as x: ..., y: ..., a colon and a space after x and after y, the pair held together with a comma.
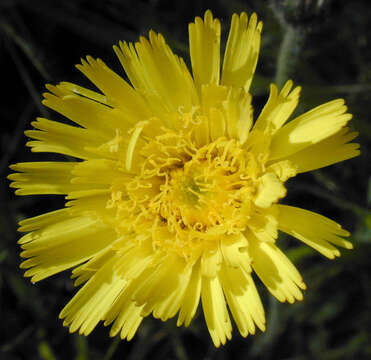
x: 173, y: 197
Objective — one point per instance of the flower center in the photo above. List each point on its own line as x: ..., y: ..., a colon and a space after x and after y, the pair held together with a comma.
x: 200, y: 195
x: 187, y: 196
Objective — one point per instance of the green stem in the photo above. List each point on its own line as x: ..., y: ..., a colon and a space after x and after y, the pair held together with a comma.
x: 288, y: 54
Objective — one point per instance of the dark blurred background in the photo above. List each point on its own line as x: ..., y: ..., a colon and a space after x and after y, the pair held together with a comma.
x: 323, y: 45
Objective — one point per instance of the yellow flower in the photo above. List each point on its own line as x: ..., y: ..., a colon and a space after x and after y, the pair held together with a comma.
x: 174, y: 198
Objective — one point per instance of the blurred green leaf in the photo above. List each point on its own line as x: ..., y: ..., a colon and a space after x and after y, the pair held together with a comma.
x: 82, y: 348
x: 3, y: 255
x: 45, y: 351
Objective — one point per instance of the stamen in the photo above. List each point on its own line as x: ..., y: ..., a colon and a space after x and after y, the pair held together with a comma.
x: 185, y: 196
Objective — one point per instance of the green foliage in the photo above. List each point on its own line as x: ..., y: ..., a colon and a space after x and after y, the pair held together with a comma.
x: 322, y: 45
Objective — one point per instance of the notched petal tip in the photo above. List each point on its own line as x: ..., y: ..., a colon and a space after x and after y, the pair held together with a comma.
x: 90, y: 60
x: 208, y: 16
x: 52, y: 89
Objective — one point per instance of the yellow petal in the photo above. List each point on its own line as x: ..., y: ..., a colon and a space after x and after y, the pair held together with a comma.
x: 43, y: 178
x: 330, y: 151
x: 204, y: 46
x: 126, y: 316
x: 210, y: 262
x: 242, y: 51
x: 50, y: 233
x: 93, y: 300
x: 217, y: 124
x: 270, y: 190
x: 257, y: 144
x: 215, y: 310
x: 134, y: 258
x: 263, y: 224
x: 238, y: 113
x: 284, y: 169
x: 60, y: 138
x: 118, y: 92
x: 171, y: 304
x: 116, y: 148
x: 156, y: 286
x: 93, y: 203
x: 213, y: 123
x: 309, y: 128
x: 276, y: 271
x: 243, y: 300
x: 313, y: 229
x: 278, y: 108
x: 234, y: 250
x: 149, y: 66
x: 85, y: 271
x: 93, y: 110
x: 68, y: 88
x: 108, y: 172
x: 191, y: 297
x: 134, y: 139
x: 40, y: 221
x: 83, y: 111
x: 63, y: 245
